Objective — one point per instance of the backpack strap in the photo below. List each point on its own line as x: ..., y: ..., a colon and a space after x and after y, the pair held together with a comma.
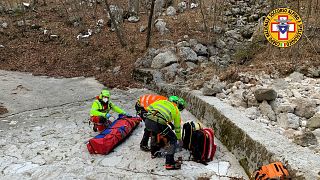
x: 205, y: 145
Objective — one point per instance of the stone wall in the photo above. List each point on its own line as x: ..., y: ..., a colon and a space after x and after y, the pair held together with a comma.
x: 247, y: 140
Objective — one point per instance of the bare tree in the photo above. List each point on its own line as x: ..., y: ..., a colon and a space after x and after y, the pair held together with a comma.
x: 150, y: 24
x: 309, y: 13
x: 113, y: 21
x: 95, y: 9
x: 23, y: 10
x: 203, y: 17
x: 64, y: 5
x: 133, y: 7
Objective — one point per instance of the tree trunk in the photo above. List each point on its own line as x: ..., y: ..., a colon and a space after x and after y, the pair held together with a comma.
x: 309, y: 13
x: 150, y: 24
x: 203, y: 17
x: 113, y: 21
x: 133, y: 7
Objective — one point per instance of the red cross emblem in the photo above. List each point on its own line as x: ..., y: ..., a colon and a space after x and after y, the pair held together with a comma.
x: 291, y: 27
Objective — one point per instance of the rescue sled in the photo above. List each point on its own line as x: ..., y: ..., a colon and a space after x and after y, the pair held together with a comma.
x: 113, y: 135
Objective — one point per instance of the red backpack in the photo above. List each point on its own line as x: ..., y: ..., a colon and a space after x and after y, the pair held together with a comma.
x: 202, y: 145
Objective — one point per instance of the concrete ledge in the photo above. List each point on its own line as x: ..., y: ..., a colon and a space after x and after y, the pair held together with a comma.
x: 247, y: 140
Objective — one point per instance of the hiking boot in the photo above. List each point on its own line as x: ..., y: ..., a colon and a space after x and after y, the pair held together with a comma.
x: 174, y: 166
x: 157, y: 154
x: 144, y: 148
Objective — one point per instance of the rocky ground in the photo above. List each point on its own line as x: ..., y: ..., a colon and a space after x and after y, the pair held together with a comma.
x: 289, y: 106
x: 45, y: 139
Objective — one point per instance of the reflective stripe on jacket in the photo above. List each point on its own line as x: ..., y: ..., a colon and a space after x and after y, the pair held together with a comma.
x: 99, y: 108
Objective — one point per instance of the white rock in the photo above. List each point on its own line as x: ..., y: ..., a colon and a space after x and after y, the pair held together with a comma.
x: 54, y: 36
x: 193, y: 5
x: 4, y: 25
x: 161, y: 26
x: 303, y: 123
x: 133, y: 19
x: 26, y: 4
x: 13, y: 122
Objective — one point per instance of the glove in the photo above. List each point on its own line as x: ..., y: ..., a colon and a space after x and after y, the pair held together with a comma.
x: 108, y: 115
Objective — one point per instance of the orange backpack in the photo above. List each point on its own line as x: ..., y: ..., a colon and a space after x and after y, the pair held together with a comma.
x: 273, y: 171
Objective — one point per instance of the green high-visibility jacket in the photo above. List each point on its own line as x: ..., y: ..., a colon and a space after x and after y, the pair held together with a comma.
x: 99, y: 108
x: 169, y: 112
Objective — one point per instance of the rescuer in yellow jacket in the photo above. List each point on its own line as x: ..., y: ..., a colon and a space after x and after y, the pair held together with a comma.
x: 141, y: 108
x: 99, y: 113
x: 160, y: 114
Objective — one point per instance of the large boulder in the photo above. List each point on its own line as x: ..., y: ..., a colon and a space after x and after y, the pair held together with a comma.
x: 201, y: 50
x: 170, y: 72
x: 164, y: 59
x: 265, y: 94
x: 296, y: 77
x: 171, y: 11
x: 314, y: 122
x: 188, y: 54
x: 280, y: 106
x: 305, y: 139
x: 161, y: 26
x: 288, y: 120
x: 237, y: 99
x: 146, y: 60
x: 266, y: 110
x: 212, y: 89
x: 213, y: 51
x: 304, y: 107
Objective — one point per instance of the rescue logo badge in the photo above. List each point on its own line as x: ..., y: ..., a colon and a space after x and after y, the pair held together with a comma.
x: 283, y: 27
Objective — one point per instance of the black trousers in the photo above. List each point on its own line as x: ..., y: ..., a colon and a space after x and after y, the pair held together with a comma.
x: 142, y: 113
x: 167, y: 132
